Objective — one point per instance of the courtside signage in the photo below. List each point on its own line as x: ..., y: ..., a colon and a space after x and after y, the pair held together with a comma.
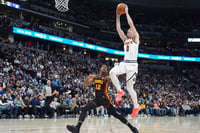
x: 193, y: 39
x: 66, y: 41
x: 10, y: 4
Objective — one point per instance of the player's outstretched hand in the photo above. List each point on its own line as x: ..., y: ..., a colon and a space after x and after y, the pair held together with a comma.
x: 118, y: 14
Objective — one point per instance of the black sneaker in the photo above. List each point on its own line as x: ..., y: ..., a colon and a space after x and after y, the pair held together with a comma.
x: 73, y: 129
x: 134, y: 130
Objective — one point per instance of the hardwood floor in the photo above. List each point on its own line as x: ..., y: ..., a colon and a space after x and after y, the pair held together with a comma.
x: 103, y: 125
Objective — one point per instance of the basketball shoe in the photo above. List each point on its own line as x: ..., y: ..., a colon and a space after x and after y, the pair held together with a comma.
x: 119, y: 96
x: 135, y: 112
x: 134, y: 130
x: 73, y: 129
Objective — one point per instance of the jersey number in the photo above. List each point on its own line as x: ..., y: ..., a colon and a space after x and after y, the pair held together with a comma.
x: 127, y: 48
x: 98, y: 87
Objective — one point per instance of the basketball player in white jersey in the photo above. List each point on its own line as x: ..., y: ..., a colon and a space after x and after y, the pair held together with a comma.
x: 129, y: 66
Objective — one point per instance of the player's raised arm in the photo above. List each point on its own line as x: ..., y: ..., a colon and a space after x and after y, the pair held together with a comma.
x: 131, y: 24
x: 88, y: 80
x: 118, y: 27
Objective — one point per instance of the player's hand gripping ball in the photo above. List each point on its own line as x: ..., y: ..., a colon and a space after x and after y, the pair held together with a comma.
x: 121, y: 8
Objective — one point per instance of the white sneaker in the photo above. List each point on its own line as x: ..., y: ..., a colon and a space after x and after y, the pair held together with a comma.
x: 33, y: 116
x: 26, y: 116
x: 20, y: 116
x: 46, y: 116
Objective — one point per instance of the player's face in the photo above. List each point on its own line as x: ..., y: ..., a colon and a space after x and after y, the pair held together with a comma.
x: 104, y: 69
x: 130, y: 33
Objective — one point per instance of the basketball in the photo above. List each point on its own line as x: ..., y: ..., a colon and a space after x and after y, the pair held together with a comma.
x: 121, y: 8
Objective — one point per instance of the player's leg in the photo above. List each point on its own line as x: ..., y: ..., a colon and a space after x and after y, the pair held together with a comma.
x: 89, y: 106
x: 122, y: 119
x: 130, y: 81
x: 117, y: 70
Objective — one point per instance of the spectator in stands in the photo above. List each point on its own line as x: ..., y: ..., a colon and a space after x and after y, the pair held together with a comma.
x: 143, y: 107
x: 156, y: 108
x: 4, y: 106
x: 55, y: 105
x: 1, y: 89
x: 28, y: 110
x: 69, y: 98
x: 169, y: 88
x: 13, y: 108
x: 79, y: 104
x: 72, y: 107
x: 63, y: 104
x: 35, y: 105
x: 41, y: 107
x: 19, y: 104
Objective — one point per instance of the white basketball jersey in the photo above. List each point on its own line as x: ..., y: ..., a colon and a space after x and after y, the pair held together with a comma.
x: 130, y: 49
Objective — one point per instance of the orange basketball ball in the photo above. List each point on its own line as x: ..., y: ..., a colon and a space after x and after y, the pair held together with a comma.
x: 121, y: 8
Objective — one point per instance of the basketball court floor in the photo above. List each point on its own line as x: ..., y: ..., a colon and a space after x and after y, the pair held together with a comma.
x: 103, y: 125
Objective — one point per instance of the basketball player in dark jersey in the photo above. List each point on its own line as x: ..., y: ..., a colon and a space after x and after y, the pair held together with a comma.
x: 101, y: 82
